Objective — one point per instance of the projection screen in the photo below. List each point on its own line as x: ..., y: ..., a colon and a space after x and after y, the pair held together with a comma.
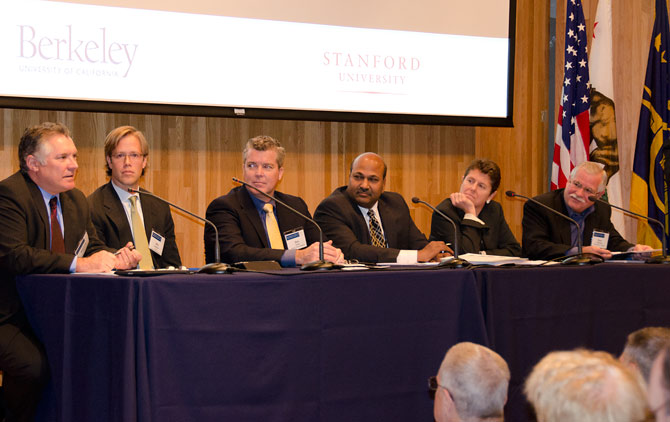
x: 427, y: 61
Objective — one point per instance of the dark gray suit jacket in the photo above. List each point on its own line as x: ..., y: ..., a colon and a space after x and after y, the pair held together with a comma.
x: 242, y: 234
x: 342, y: 221
x: 547, y: 235
x: 111, y: 223
x: 25, y: 235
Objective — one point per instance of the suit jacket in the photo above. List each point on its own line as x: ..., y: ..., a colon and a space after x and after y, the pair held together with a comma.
x: 25, y: 238
x: 494, y: 237
x: 242, y: 235
x: 342, y: 221
x: 547, y: 235
x: 111, y: 222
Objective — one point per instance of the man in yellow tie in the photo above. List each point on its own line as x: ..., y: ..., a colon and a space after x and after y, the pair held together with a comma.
x: 254, y: 228
x: 120, y: 216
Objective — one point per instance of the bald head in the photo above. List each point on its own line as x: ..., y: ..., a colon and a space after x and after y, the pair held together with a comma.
x: 366, y: 179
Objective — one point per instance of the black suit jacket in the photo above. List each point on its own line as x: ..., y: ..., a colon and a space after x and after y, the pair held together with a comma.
x: 494, y: 237
x: 113, y: 228
x: 547, y: 235
x: 342, y: 221
x: 25, y: 235
x: 242, y: 235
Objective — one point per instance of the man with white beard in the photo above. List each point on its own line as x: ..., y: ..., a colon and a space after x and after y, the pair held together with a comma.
x: 548, y: 236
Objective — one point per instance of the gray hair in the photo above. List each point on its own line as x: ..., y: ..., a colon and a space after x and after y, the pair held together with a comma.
x: 265, y: 143
x: 642, y: 347
x: 591, y: 167
x: 585, y: 386
x: 477, y: 379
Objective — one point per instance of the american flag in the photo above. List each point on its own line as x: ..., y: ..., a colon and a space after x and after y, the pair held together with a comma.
x: 571, y: 145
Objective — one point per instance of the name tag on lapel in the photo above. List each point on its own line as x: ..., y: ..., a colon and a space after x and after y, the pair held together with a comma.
x: 295, y: 239
x: 81, y: 247
x: 157, y: 243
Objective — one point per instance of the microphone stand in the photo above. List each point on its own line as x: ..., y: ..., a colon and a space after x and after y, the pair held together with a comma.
x: 320, y: 264
x: 216, y: 267
x: 456, y: 262
x: 661, y: 259
x: 581, y: 258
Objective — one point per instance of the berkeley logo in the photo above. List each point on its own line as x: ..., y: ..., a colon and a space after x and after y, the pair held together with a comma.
x: 69, y: 47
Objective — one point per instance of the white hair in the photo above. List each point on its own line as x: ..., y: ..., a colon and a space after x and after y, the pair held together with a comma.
x: 585, y: 386
x: 591, y: 167
x: 477, y: 379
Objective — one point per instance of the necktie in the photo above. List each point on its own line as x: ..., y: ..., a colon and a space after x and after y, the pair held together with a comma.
x: 272, y: 227
x: 140, y: 236
x: 376, y: 231
x: 57, y: 243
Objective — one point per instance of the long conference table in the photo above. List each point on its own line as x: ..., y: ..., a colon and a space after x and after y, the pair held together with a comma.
x: 333, y: 346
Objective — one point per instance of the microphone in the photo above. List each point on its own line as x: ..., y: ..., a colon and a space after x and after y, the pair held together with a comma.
x: 213, y: 268
x: 579, y: 259
x: 663, y: 259
x: 456, y: 262
x: 315, y: 265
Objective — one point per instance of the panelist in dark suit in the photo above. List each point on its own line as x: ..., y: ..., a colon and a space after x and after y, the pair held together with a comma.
x: 371, y: 225
x: 252, y: 227
x: 126, y: 155
x: 480, y: 220
x: 548, y: 236
x: 46, y: 228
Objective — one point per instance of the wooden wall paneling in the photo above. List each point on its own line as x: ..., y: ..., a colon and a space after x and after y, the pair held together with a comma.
x: 522, y: 151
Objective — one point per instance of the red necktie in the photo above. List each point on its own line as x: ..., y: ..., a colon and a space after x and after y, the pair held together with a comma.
x: 57, y: 243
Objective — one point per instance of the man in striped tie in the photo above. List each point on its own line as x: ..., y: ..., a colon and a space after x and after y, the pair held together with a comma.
x: 372, y: 225
x: 46, y: 228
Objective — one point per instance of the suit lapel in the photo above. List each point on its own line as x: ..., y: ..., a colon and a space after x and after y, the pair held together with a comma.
x: 565, y: 229
x: 116, y: 213
x: 387, y: 222
x: 148, y: 213
x: 361, y: 225
x: 73, y: 233
x: 251, y: 213
x: 41, y: 208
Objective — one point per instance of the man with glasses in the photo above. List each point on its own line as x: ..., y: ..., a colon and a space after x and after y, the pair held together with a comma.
x: 120, y: 216
x: 548, y: 236
x: 471, y: 385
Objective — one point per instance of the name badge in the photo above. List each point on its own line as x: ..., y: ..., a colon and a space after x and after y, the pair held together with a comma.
x: 157, y: 243
x: 81, y: 247
x: 600, y: 239
x: 295, y: 239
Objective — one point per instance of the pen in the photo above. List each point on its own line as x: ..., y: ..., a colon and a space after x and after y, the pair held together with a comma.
x: 131, y: 247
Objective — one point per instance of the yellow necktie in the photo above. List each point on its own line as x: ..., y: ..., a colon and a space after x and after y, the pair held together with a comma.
x: 272, y: 227
x: 140, y: 236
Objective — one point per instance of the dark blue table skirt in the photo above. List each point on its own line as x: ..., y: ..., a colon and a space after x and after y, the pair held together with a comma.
x: 530, y: 312
x: 345, y: 346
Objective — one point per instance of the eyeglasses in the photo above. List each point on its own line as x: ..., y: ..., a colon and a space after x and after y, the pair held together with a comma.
x: 433, y: 385
x: 121, y: 156
x: 578, y: 185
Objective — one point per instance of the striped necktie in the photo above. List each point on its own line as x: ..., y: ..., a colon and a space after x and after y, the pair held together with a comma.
x: 376, y: 234
x: 57, y: 242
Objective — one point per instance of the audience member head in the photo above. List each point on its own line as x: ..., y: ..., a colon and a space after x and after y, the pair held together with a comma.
x: 585, y: 386
x: 49, y: 157
x: 658, y: 393
x: 471, y: 385
x: 642, y: 347
x: 586, y: 179
x: 126, y: 152
x: 263, y: 165
x: 367, y: 176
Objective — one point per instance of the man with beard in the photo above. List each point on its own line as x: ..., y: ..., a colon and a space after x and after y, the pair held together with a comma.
x: 548, y: 236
